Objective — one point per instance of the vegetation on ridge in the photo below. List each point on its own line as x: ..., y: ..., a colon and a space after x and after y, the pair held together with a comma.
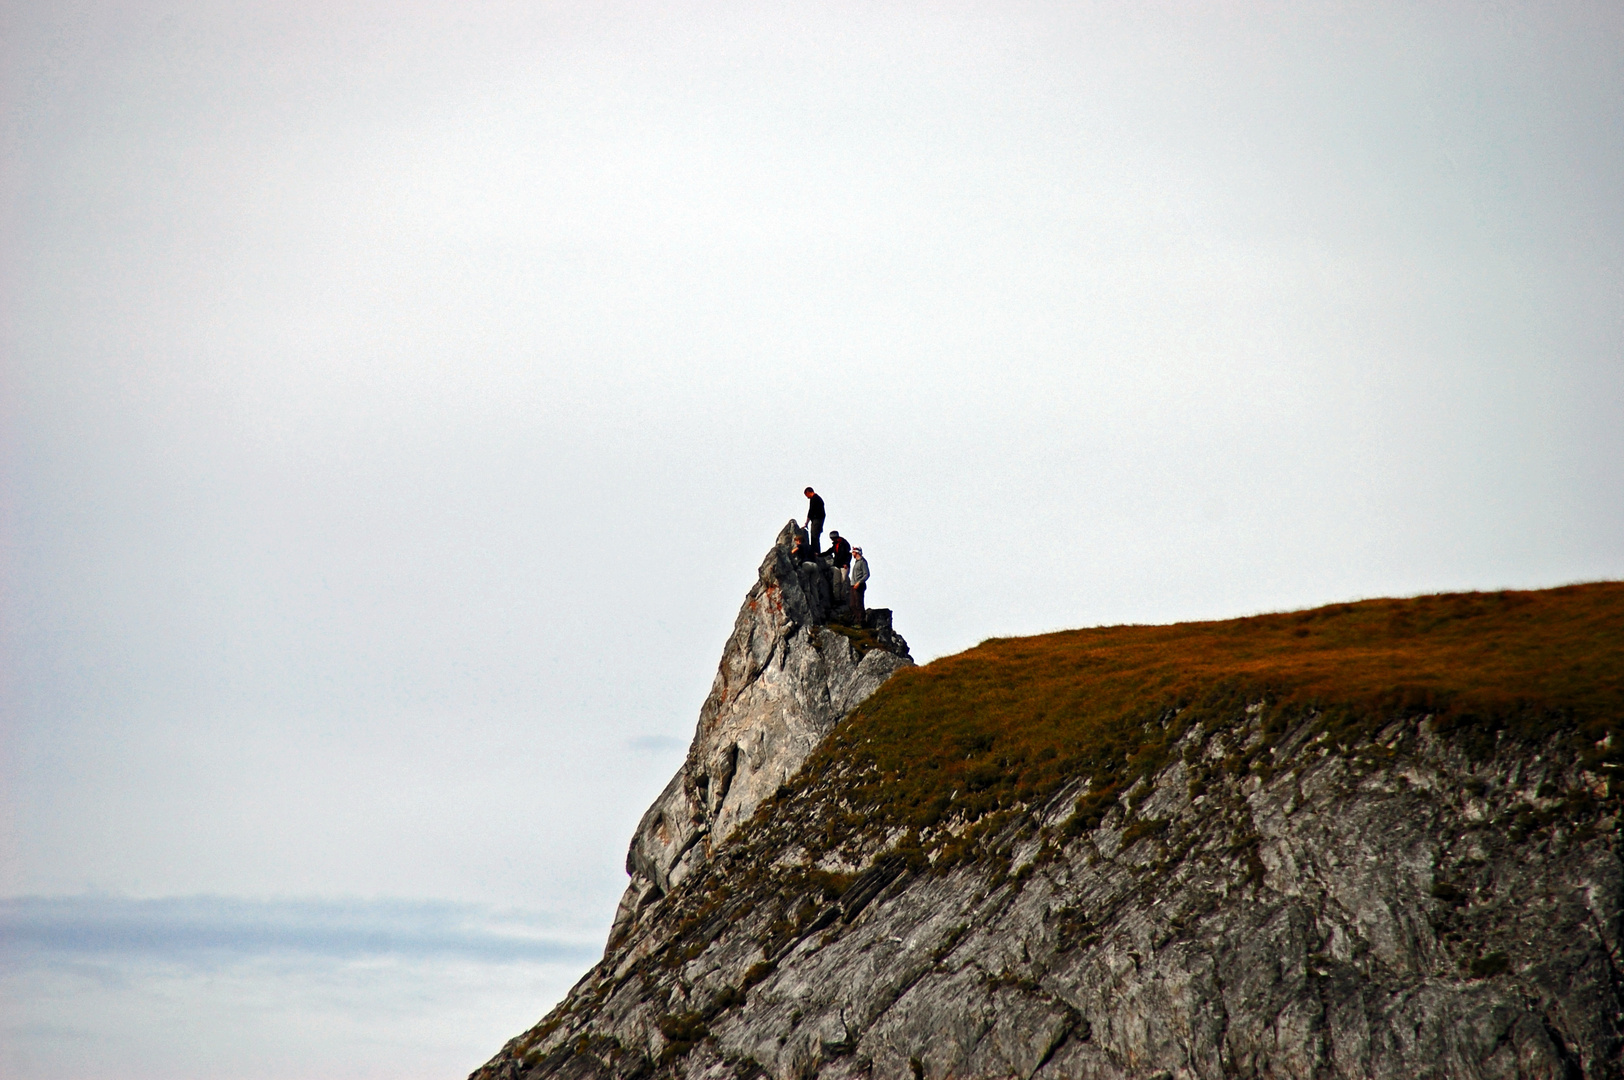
x: 1009, y: 723
x: 946, y: 764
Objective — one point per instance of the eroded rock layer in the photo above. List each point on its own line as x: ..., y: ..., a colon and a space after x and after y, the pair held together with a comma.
x: 1265, y: 901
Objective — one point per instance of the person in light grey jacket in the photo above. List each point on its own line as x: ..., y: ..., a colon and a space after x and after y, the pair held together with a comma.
x: 859, y: 582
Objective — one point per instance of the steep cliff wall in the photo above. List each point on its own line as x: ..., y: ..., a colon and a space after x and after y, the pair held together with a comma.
x: 1376, y: 840
x: 788, y: 673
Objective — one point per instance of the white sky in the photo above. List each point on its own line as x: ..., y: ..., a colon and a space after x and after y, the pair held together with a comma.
x: 399, y: 399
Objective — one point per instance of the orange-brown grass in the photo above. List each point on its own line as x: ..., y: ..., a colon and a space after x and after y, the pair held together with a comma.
x: 1011, y: 721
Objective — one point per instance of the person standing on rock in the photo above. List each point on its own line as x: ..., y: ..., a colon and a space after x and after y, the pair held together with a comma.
x: 814, y: 517
x: 859, y: 583
x: 839, y: 555
x: 839, y: 552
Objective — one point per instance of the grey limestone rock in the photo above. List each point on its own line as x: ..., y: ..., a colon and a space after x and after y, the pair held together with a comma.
x: 1392, y: 909
x: 789, y: 671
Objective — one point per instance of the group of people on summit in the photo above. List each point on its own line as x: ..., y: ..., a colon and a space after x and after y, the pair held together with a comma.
x: 850, y: 568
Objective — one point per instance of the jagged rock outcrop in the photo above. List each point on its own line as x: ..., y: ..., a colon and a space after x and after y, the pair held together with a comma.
x: 789, y: 671
x: 1270, y: 900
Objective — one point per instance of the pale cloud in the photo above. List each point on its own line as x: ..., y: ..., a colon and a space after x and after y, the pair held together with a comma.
x: 109, y: 986
x: 397, y: 400
x: 215, y: 929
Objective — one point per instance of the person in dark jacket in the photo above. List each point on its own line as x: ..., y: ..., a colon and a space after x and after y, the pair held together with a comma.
x: 814, y: 517
x: 802, y: 552
x: 839, y: 550
x: 839, y: 556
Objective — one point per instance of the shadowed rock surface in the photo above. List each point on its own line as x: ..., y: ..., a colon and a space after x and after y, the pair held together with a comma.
x: 1389, y: 906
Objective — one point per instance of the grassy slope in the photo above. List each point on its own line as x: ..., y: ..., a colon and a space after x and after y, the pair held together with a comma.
x: 951, y: 753
x: 1011, y: 721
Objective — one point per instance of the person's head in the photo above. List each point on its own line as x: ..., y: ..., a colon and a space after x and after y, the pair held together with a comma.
x: 834, y: 534
x: 856, y: 551
x: 809, y: 492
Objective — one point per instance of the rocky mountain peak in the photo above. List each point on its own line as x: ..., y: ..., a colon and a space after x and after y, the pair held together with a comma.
x: 1377, y: 839
x: 793, y: 666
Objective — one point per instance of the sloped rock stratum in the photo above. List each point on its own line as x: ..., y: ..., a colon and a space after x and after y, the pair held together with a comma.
x: 1371, y: 840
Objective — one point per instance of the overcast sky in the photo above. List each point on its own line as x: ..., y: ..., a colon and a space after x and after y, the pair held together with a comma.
x: 398, y: 399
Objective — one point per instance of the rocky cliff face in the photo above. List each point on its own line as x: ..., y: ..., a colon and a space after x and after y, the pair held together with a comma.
x: 788, y: 673
x: 1267, y: 901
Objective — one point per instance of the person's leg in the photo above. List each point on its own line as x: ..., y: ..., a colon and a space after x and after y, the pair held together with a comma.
x: 815, y: 527
x: 857, y: 602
